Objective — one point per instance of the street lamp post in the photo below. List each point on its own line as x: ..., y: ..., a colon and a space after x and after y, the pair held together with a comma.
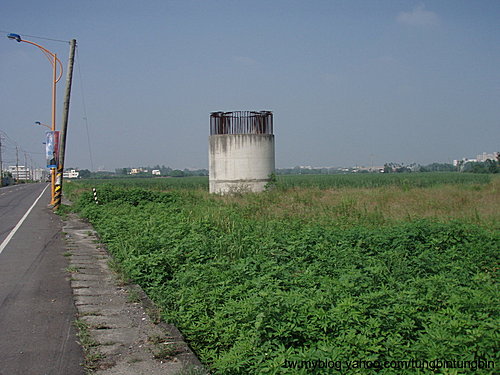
x: 52, y: 57
x: 39, y: 123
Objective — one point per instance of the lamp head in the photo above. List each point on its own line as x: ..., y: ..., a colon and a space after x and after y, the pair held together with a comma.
x: 15, y: 37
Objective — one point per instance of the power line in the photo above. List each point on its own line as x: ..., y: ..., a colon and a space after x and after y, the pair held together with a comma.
x: 34, y: 153
x: 85, y: 118
x: 11, y: 145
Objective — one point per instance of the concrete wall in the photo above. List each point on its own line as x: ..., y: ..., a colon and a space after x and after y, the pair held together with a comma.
x: 240, y: 162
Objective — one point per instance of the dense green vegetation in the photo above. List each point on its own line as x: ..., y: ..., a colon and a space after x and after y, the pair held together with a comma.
x: 370, y: 180
x: 393, y: 269
x: 363, y: 180
x: 153, y: 183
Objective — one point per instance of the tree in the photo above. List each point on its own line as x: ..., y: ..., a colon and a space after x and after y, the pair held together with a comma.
x: 177, y: 173
x: 85, y: 173
x: 438, y: 167
x: 165, y: 171
x: 121, y: 171
x: 491, y: 166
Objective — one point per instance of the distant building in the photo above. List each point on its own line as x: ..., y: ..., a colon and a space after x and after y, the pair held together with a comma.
x: 479, y: 158
x: 463, y: 161
x: 19, y: 172
x: 72, y: 173
x: 138, y: 170
x: 370, y: 169
x: 40, y: 174
x: 484, y: 156
x: 156, y: 172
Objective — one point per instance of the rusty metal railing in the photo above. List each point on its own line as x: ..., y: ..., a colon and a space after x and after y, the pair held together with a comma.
x: 241, y: 122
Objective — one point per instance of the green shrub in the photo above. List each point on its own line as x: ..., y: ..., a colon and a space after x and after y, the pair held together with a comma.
x: 250, y: 293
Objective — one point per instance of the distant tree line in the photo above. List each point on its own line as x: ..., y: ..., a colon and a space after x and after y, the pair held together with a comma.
x: 400, y: 168
x: 125, y: 172
x: 164, y: 171
x: 301, y: 170
x: 438, y: 167
x: 488, y: 166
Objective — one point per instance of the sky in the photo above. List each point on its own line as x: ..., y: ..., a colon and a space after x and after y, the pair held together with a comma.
x: 349, y: 82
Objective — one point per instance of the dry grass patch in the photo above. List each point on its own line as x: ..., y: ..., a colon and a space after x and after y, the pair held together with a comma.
x: 475, y: 203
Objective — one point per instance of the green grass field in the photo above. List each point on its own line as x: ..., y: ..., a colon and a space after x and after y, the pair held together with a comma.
x: 342, y: 268
x: 363, y: 180
x: 157, y: 183
x: 372, y: 180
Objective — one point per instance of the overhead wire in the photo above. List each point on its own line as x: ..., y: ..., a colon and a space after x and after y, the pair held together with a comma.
x: 10, y: 147
x: 84, y: 106
x: 2, y: 133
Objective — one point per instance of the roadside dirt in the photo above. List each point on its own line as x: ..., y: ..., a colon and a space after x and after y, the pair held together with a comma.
x: 120, y: 329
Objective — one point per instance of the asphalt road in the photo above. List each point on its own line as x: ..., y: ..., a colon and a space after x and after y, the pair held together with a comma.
x: 36, y: 304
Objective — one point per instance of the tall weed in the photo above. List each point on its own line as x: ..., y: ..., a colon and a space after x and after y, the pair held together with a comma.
x: 256, y: 280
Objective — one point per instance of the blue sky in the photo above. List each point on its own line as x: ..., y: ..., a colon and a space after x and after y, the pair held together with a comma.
x: 349, y: 82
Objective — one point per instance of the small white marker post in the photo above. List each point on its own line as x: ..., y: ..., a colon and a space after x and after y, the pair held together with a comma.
x: 95, y: 196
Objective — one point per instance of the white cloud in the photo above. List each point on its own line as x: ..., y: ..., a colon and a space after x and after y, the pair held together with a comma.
x: 419, y: 16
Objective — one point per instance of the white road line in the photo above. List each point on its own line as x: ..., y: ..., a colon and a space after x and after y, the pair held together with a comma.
x: 13, y: 231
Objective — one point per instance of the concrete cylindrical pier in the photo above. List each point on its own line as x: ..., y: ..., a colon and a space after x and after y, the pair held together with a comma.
x: 241, y: 151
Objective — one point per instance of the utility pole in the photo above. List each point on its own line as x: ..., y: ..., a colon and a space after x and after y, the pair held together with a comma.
x: 26, y: 167
x: 1, y: 165
x: 64, y: 129
x: 17, y: 165
x: 32, y: 169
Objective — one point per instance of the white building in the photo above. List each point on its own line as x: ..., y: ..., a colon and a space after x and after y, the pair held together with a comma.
x: 481, y: 158
x: 41, y: 174
x: 19, y: 172
x: 156, y: 172
x: 463, y: 161
x: 73, y: 173
x: 484, y: 156
x: 138, y: 170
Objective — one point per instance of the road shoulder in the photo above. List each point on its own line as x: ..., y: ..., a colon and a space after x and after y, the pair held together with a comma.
x: 120, y: 329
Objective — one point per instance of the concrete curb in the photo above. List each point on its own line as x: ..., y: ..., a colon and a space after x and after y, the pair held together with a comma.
x: 123, y: 334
